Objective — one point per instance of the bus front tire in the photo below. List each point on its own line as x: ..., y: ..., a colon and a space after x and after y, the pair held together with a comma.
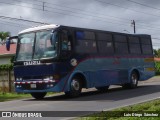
x: 38, y: 95
x: 75, y: 88
x: 133, y: 81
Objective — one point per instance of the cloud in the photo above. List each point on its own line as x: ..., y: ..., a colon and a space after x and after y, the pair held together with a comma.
x: 110, y: 15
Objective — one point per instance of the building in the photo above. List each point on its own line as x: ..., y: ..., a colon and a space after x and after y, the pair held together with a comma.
x: 5, y: 55
x: 157, y: 59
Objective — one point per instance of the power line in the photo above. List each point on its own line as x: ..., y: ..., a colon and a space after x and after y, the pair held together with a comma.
x: 143, y: 4
x: 69, y: 14
x: 19, y: 5
x: 148, y: 28
x: 63, y: 14
x: 4, y: 23
x: 17, y: 24
x: 20, y: 19
x: 156, y: 38
x: 64, y: 6
x: 11, y: 22
x: 115, y: 17
x: 127, y: 8
x: 31, y: 3
x: 65, y: 11
x: 81, y: 10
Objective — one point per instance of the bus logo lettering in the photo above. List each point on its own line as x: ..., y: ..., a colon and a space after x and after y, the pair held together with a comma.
x: 32, y: 63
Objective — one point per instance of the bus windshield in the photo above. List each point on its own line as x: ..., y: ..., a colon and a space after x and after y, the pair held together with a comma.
x: 37, y: 45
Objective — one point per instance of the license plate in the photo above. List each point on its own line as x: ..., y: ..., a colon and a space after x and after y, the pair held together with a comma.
x: 33, y: 86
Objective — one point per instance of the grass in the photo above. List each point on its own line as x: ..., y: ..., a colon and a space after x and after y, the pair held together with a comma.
x: 118, y: 114
x: 14, y: 96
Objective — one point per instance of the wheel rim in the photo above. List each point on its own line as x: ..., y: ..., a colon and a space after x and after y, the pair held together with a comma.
x: 75, y: 85
x: 134, y: 79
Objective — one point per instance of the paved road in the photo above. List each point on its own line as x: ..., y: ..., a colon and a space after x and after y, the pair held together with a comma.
x: 90, y: 100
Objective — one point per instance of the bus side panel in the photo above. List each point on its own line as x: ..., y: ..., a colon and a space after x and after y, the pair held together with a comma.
x: 103, y: 72
x: 145, y: 67
x: 108, y: 77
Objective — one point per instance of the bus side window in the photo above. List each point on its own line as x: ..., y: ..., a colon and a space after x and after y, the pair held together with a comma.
x: 146, y: 45
x: 134, y: 45
x: 121, y: 46
x: 105, y: 43
x: 85, y: 42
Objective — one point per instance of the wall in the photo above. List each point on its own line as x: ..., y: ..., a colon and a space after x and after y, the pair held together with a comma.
x: 6, y: 81
x: 5, y: 59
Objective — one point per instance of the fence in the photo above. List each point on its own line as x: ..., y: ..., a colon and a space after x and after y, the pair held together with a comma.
x: 6, y: 81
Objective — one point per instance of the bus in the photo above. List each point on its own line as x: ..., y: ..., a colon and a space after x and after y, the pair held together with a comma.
x: 66, y: 59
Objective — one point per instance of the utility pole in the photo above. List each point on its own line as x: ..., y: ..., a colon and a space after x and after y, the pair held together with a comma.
x: 43, y: 5
x: 134, y: 25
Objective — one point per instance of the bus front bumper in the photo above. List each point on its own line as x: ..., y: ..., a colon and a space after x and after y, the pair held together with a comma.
x: 37, y: 86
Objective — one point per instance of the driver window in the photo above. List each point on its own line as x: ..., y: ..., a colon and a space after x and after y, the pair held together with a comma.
x: 66, y: 43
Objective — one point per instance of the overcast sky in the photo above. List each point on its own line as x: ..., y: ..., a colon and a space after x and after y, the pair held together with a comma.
x: 110, y: 15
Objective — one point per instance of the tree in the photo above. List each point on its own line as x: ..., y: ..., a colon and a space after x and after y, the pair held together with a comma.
x: 3, y: 36
x: 156, y: 53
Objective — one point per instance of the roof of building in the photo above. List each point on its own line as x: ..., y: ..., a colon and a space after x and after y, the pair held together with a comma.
x: 12, y: 51
x: 156, y: 59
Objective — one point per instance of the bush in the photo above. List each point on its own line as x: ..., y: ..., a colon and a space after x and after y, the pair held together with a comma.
x: 6, y: 67
x: 157, y: 66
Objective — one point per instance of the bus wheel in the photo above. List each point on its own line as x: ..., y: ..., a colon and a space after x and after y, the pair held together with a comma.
x: 38, y: 95
x: 102, y: 89
x: 133, y: 81
x: 75, y: 88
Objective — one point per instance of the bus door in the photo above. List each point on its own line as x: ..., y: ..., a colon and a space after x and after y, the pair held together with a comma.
x: 66, y: 48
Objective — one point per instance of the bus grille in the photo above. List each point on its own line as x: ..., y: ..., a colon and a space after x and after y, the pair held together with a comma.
x: 38, y: 87
x: 32, y: 77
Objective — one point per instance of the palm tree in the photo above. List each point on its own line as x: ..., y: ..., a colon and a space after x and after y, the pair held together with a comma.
x: 157, y: 53
x: 3, y: 36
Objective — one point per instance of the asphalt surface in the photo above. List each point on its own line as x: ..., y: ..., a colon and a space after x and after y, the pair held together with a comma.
x: 90, y: 101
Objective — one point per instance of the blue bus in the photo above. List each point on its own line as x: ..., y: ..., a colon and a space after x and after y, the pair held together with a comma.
x: 66, y: 59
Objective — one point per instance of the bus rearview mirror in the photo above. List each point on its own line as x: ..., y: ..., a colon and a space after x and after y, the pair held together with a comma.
x: 8, y: 45
x: 8, y: 42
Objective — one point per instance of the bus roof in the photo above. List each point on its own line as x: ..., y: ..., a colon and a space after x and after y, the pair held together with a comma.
x: 53, y: 26
x: 43, y: 27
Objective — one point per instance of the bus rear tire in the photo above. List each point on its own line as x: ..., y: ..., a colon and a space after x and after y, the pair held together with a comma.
x: 38, y: 95
x: 133, y: 81
x: 102, y: 89
x: 75, y: 88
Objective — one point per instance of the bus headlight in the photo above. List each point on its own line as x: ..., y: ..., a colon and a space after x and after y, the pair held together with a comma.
x: 48, y: 78
x: 18, y: 86
x: 54, y: 77
x: 51, y: 77
x: 18, y: 79
x: 50, y: 85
